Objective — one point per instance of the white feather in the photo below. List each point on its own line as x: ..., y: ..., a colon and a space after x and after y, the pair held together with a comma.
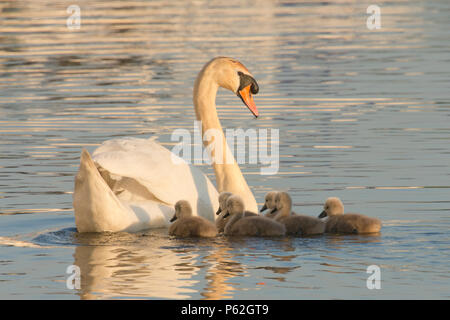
x: 132, y: 184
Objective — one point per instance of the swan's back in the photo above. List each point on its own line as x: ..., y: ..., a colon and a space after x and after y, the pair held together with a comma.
x: 221, y: 222
x: 192, y: 227
x: 256, y: 226
x: 142, y: 169
x: 352, y: 223
x: 299, y: 225
x: 302, y: 225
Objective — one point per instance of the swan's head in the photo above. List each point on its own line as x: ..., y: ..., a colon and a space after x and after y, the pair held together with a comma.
x: 282, y: 201
x: 332, y: 207
x: 234, y: 76
x: 182, y: 210
x: 234, y: 205
x: 223, y: 197
x: 269, y: 201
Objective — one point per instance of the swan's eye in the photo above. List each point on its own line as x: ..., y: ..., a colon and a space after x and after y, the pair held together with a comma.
x: 245, y: 80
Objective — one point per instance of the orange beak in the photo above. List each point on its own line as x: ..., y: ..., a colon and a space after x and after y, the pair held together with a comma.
x: 247, y: 98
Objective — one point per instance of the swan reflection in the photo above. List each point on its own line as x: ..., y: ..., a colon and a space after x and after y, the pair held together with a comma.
x: 111, y: 266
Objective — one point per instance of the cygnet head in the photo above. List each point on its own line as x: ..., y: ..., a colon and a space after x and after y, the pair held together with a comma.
x: 332, y: 207
x: 282, y: 201
x: 223, y: 197
x: 234, y: 205
x: 269, y: 201
x: 182, y: 210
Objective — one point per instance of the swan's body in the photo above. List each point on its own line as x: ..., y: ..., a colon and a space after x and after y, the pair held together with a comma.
x: 338, y: 222
x: 187, y: 225
x: 298, y: 225
x: 221, y: 220
x: 255, y: 226
x: 129, y: 187
x: 132, y: 184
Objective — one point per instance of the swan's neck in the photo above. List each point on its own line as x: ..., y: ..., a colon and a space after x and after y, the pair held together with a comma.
x: 228, y: 175
x: 283, y: 213
x: 232, y: 220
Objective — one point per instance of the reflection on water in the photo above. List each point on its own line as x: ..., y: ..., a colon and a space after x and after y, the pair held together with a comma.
x: 362, y: 115
x: 111, y: 271
x: 153, y: 265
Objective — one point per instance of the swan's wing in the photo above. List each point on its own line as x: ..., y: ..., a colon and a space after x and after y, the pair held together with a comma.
x: 145, y: 164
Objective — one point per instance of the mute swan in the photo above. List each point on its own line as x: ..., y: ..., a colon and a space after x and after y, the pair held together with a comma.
x: 187, y: 225
x: 221, y: 221
x: 132, y: 184
x: 269, y: 203
x: 338, y: 222
x: 301, y: 225
x: 238, y: 225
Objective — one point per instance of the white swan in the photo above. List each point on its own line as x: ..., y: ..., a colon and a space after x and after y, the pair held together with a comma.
x: 132, y: 184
